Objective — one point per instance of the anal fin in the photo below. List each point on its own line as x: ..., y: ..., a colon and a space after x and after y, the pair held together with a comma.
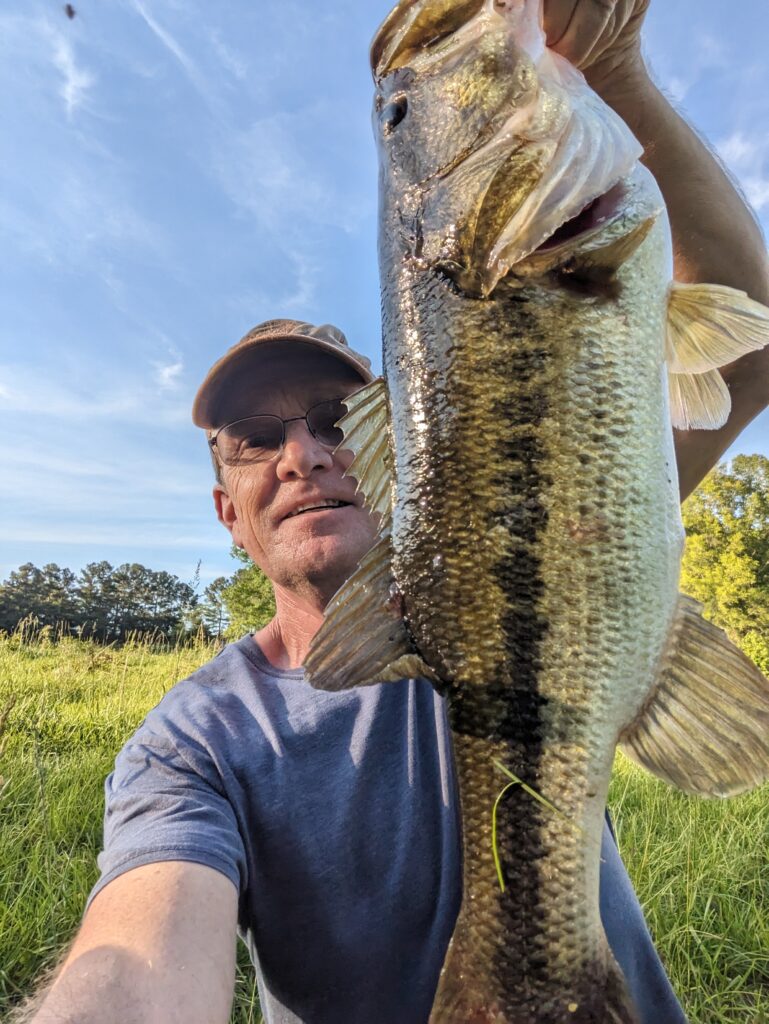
x: 705, y: 726
x: 364, y: 639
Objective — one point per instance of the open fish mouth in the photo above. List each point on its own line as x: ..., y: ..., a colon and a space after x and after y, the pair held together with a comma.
x: 591, y: 219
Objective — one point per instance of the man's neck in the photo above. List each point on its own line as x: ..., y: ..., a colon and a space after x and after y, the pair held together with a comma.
x: 285, y: 640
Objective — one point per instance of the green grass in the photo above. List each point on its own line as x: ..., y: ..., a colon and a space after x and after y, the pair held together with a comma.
x: 701, y: 868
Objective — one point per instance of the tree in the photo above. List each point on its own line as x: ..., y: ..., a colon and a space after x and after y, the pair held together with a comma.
x: 726, y: 562
x: 96, y: 595
x: 213, y: 611
x: 49, y: 594
x: 101, y: 602
x: 248, y: 597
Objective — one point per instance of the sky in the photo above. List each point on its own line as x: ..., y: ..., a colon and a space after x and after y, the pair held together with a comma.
x: 173, y: 172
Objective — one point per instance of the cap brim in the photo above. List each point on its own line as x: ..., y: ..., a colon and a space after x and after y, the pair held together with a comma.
x: 208, y: 403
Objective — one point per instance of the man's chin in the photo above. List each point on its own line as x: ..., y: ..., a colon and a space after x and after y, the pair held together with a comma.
x: 328, y: 562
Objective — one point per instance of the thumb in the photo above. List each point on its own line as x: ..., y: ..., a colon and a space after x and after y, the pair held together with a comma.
x: 588, y: 24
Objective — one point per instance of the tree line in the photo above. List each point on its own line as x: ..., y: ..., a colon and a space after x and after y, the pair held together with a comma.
x: 110, y: 603
x: 725, y: 566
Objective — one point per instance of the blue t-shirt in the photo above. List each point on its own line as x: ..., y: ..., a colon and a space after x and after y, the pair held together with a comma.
x: 335, y: 816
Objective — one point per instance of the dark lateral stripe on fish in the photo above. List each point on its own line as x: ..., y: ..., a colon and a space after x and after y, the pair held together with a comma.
x: 516, y: 715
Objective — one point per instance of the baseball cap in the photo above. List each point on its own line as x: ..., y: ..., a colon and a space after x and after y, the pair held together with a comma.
x: 324, y: 337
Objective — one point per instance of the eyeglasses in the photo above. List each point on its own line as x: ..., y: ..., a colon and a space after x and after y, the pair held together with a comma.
x: 260, y: 438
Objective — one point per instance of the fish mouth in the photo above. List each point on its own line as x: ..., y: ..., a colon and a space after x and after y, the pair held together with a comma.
x: 602, y: 236
x: 415, y: 25
x: 600, y: 213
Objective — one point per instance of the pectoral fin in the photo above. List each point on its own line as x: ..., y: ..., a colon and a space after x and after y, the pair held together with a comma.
x: 705, y: 727
x: 366, y: 434
x: 364, y: 639
x: 708, y: 326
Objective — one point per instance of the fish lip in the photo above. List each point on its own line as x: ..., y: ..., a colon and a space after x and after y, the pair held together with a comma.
x: 598, y: 214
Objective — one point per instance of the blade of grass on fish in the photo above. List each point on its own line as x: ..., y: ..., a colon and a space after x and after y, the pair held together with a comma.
x: 515, y: 781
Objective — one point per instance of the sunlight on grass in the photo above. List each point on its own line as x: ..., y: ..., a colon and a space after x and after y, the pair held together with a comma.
x: 701, y: 868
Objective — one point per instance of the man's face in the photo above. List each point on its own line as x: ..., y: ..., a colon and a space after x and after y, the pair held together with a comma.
x: 314, y: 550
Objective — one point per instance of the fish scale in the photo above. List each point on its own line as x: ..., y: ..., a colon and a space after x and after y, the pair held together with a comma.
x: 534, y: 350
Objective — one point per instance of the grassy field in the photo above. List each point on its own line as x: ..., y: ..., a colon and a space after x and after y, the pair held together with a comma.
x: 701, y: 868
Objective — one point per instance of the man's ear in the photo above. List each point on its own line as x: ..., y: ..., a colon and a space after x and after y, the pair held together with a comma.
x: 226, y: 512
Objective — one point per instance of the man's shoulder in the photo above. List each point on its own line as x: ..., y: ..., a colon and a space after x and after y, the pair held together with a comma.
x: 192, y: 707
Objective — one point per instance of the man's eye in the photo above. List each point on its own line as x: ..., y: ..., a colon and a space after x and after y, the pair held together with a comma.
x: 256, y: 441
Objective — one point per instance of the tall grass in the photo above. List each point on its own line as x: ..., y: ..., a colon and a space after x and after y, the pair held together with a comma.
x: 74, y: 704
x: 701, y: 868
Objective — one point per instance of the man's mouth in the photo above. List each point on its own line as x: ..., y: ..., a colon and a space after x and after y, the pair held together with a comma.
x: 317, y: 506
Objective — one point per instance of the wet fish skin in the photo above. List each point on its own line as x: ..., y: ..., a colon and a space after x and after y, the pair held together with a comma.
x: 521, y: 461
x: 525, y: 426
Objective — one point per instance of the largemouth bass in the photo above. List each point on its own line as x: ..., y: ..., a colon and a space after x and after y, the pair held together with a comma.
x: 536, y: 355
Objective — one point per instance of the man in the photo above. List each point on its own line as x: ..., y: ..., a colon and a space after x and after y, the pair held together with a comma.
x: 325, y: 824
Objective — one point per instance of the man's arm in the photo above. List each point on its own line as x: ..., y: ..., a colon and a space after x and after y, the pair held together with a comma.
x: 157, y: 946
x: 715, y: 236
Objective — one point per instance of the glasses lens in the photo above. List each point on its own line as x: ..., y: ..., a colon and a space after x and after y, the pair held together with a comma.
x: 250, y: 440
x: 321, y: 420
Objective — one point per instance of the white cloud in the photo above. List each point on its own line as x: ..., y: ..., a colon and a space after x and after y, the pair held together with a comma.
x: 747, y: 157
x: 132, y: 401
x: 703, y: 55
x: 270, y: 171
x: 167, y: 374
x: 230, y: 61
x: 174, y: 48
x: 156, y: 535
x: 77, y: 80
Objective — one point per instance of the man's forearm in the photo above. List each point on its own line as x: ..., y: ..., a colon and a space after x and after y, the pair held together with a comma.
x: 716, y: 240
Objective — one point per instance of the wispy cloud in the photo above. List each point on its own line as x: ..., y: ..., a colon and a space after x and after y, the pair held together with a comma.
x: 230, y: 61
x: 270, y: 170
x: 747, y: 156
x: 132, y: 400
x: 679, y: 73
x: 95, y: 536
x: 175, y: 48
x: 77, y: 80
x: 167, y: 375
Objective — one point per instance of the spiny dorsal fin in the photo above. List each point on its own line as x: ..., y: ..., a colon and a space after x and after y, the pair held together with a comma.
x: 705, y: 727
x: 366, y: 427
x: 708, y: 326
x: 363, y: 638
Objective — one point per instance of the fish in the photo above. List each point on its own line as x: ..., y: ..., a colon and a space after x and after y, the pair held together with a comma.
x: 518, y: 452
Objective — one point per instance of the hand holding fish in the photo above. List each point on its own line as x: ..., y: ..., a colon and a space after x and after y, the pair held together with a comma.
x: 601, y: 37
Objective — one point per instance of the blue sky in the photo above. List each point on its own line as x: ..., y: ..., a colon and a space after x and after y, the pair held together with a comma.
x: 172, y: 172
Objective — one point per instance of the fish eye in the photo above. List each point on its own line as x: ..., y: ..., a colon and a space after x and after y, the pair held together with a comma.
x: 391, y: 115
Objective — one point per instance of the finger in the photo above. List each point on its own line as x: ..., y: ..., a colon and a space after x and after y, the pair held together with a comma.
x: 585, y: 29
x: 557, y: 15
x: 604, y: 42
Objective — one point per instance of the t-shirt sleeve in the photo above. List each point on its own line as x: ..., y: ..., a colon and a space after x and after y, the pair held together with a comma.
x: 631, y: 942
x: 163, y: 804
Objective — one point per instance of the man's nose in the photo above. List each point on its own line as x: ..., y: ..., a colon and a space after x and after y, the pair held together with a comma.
x: 302, y: 453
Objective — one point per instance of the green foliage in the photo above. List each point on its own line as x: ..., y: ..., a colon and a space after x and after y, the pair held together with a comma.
x: 248, y: 598
x: 103, y: 602
x: 213, y: 611
x: 726, y: 562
